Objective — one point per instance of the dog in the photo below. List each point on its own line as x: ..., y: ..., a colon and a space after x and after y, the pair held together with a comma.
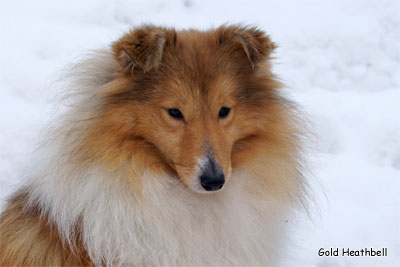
x: 176, y: 148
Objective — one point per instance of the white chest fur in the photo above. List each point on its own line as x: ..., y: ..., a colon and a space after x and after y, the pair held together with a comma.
x: 167, y: 224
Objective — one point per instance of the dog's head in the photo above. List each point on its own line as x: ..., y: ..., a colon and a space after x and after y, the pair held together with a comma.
x: 191, y: 103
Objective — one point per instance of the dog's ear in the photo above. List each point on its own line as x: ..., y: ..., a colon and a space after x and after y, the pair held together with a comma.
x: 140, y: 48
x: 255, y: 43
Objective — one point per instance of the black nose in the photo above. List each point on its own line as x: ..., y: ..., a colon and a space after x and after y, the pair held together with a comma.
x: 212, y: 183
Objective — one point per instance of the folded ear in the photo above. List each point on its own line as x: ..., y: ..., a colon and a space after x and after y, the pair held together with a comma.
x: 140, y: 48
x: 255, y: 43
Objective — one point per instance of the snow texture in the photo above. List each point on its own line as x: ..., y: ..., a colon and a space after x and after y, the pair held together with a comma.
x: 340, y: 60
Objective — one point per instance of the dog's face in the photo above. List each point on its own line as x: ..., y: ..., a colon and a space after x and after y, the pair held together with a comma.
x: 196, y: 128
x: 191, y: 101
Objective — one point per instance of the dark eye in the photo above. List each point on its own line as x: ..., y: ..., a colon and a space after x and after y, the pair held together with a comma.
x: 223, y: 112
x: 175, y: 113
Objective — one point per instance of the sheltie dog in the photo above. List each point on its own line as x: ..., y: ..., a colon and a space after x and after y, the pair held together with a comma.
x: 176, y: 148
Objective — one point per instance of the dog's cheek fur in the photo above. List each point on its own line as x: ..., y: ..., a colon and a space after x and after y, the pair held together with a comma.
x: 272, y: 152
x: 120, y: 136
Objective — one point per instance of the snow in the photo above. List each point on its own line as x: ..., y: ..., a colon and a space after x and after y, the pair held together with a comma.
x: 340, y: 60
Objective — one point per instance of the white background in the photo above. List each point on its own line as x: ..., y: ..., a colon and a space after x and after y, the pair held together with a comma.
x: 341, y: 63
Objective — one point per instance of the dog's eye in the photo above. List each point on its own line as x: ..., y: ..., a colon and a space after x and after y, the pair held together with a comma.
x: 175, y: 113
x: 223, y: 112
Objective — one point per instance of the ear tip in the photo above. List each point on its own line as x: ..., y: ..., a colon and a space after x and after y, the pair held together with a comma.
x: 255, y: 42
x: 270, y: 46
x: 142, y: 46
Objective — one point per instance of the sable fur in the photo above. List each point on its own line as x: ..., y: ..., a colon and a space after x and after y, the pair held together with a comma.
x: 28, y: 239
x: 116, y: 183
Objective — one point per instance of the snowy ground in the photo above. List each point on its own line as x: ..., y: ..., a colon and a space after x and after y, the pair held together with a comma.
x: 341, y: 61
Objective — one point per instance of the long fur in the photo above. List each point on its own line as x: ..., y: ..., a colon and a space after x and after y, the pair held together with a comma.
x: 101, y: 216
